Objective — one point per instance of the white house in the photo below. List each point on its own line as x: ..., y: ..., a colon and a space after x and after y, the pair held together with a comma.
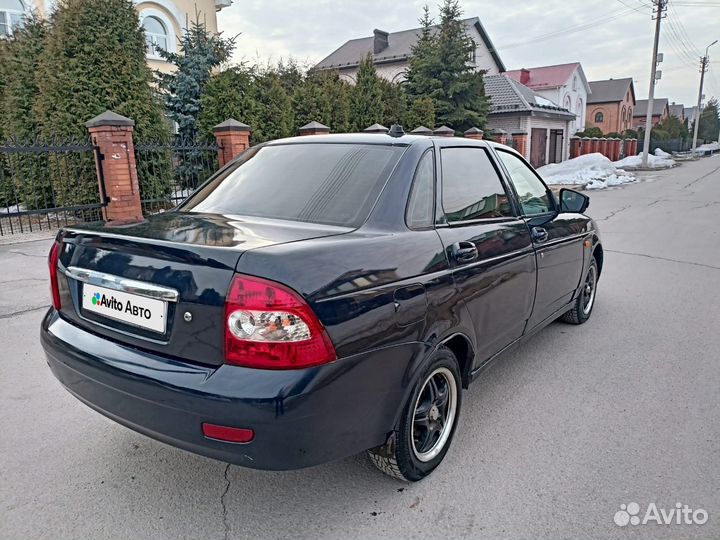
x: 392, y: 50
x: 564, y: 84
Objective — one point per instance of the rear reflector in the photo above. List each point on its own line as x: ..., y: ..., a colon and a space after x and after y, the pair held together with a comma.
x: 227, y: 434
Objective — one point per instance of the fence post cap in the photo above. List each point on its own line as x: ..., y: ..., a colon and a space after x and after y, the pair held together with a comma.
x: 376, y: 128
x: 422, y: 130
x: 314, y: 126
x: 231, y: 125
x: 109, y: 118
x: 498, y: 131
x: 444, y: 130
x: 473, y: 130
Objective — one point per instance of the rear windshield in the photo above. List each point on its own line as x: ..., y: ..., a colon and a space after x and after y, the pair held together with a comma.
x: 333, y: 184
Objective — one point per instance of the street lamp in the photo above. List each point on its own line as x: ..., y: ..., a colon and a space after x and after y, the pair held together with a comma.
x: 703, y: 67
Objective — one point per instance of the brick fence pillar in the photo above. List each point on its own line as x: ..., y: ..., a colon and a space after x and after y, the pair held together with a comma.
x: 500, y: 136
x: 574, y: 147
x: 233, y: 138
x: 474, y: 133
x: 314, y: 128
x: 115, y: 165
x: 521, y: 142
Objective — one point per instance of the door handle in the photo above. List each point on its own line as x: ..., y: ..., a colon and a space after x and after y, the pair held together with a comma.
x: 464, y: 252
x: 539, y: 234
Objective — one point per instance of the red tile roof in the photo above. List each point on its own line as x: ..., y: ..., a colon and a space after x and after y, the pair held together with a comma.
x: 545, y: 76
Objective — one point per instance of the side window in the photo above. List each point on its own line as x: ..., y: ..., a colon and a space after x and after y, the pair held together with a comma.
x: 534, y: 196
x: 471, y: 187
x: 421, y: 208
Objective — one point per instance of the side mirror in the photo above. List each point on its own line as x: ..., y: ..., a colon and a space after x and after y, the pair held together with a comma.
x: 572, y: 201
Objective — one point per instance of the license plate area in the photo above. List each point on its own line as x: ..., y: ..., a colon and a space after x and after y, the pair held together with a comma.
x: 134, y: 310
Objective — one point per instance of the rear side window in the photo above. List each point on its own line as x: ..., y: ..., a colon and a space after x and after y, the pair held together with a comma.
x: 471, y: 186
x: 333, y: 184
x: 421, y: 205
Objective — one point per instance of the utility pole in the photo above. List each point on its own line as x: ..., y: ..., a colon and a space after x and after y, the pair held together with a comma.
x: 698, y: 112
x: 661, y: 6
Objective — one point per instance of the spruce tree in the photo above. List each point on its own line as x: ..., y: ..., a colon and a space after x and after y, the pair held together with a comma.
x: 311, y: 101
x: 94, y: 61
x: 440, y: 68
x: 366, y: 103
x: 199, y: 53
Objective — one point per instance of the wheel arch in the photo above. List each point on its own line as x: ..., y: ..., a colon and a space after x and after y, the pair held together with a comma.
x: 599, y: 256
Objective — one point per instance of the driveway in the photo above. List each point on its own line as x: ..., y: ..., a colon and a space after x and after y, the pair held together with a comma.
x: 552, y: 439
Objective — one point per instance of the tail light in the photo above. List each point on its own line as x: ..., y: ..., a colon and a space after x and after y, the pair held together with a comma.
x: 270, y: 326
x: 53, y: 258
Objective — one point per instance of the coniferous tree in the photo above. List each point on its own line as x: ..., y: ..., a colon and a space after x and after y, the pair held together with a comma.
x: 272, y: 116
x: 199, y: 53
x: 366, y: 99
x: 311, y: 101
x: 94, y: 60
x: 27, y: 174
x: 394, y: 103
x: 421, y: 113
x: 709, y: 128
x: 228, y: 94
x: 441, y: 69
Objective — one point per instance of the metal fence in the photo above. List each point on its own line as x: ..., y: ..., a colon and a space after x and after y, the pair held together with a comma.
x: 168, y: 171
x: 669, y: 145
x: 45, y: 185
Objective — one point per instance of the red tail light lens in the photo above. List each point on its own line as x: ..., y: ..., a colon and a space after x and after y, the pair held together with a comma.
x: 228, y: 434
x: 53, y: 259
x: 270, y: 326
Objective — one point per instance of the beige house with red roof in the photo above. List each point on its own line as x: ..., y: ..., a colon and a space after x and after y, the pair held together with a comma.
x: 563, y: 84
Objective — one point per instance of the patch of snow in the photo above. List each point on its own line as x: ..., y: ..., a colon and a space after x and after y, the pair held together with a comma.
x: 661, y: 153
x: 654, y: 162
x: 709, y: 147
x: 13, y: 208
x: 594, y: 171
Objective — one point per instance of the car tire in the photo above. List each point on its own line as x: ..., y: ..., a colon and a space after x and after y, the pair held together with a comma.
x: 584, y: 303
x: 427, y: 424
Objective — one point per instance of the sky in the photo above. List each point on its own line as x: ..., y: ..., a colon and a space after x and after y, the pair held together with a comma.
x: 610, y: 38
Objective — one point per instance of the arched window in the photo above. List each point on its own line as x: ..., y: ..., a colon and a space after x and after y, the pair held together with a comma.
x: 472, y: 57
x: 567, y: 104
x: 624, y: 116
x: 599, y: 117
x: 11, y: 16
x: 156, y: 35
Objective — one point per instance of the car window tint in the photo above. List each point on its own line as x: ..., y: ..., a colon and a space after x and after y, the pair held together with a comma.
x: 471, y: 187
x: 327, y: 183
x: 421, y: 203
x: 533, y: 194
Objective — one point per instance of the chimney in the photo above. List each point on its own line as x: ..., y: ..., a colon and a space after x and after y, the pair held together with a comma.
x: 380, y: 41
x: 524, y: 76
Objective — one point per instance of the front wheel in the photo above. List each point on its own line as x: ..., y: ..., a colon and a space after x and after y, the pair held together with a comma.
x: 582, y: 308
x: 427, y: 424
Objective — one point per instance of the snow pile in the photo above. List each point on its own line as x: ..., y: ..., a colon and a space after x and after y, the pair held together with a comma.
x: 709, y: 147
x: 661, y: 153
x: 594, y: 171
x: 654, y: 162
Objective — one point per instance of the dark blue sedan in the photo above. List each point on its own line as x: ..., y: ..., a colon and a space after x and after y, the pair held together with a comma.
x: 318, y: 297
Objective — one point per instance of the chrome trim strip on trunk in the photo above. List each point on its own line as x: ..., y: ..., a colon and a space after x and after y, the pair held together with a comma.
x: 141, y: 288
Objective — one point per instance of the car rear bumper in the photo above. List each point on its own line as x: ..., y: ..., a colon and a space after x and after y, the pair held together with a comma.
x: 300, y: 417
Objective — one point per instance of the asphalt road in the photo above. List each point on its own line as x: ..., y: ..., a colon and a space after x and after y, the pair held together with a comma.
x: 552, y: 439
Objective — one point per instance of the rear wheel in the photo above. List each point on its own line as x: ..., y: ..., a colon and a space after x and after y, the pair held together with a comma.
x: 427, y: 424
x: 583, y: 306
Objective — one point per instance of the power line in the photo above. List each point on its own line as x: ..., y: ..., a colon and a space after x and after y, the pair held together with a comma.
x: 570, y: 30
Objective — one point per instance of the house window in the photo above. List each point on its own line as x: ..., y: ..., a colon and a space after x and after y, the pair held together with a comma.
x: 11, y: 16
x: 599, y: 117
x: 156, y: 35
x: 575, y: 82
x: 472, y: 56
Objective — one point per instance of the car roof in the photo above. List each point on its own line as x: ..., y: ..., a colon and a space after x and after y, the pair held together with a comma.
x: 373, y: 138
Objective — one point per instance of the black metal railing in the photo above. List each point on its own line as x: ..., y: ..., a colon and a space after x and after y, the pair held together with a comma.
x: 45, y: 185
x: 168, y: 171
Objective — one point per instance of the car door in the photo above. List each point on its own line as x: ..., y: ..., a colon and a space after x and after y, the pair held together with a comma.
x: 558, y: 239
x: 488, y: 245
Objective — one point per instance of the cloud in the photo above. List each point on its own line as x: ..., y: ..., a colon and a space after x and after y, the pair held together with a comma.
x: 609, y: 38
